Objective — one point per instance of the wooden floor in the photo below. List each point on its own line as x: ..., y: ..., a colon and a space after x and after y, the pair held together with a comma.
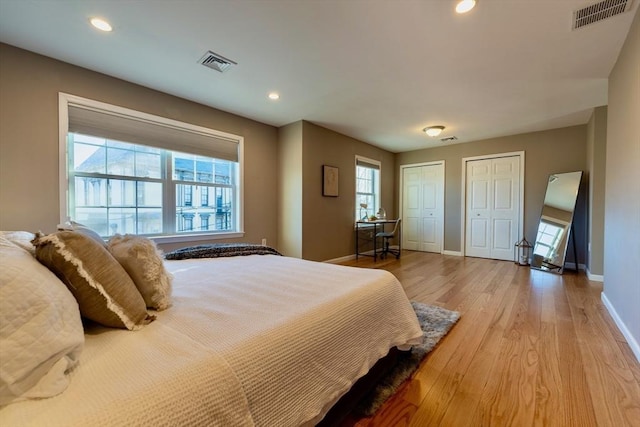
x: 531, y: 349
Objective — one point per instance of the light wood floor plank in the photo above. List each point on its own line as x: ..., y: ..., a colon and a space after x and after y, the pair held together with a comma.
x: 452, y: 366
x: 481, y: 309
x: 549, y: 410
x: 607, y: 373
x: 531, y: 349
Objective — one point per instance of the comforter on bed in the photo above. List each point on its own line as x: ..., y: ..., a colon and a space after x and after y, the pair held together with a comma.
x: 251, y: 340
x: 217, y: 250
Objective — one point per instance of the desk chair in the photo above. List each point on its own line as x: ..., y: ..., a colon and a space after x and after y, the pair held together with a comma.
x: 386, y: 236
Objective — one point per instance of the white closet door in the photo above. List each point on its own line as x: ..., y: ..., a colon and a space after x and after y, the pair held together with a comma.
x: 432, y: 207
x: 479, y: 200
x: 493, y: 213
x: 411, y: 207
x: 505, y: 211
x: 423, y: 208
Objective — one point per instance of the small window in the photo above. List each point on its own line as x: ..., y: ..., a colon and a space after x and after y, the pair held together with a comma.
x: 187, y: 195
x: 204, y: 221
x: 204, y: 196
x: 367, y: 186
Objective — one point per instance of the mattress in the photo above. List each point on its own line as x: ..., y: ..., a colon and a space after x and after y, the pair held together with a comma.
x: 253, y: 340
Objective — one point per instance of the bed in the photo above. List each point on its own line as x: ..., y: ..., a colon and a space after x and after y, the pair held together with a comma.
x: 261, y: 340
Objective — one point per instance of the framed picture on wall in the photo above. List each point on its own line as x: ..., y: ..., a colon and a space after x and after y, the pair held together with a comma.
x: 329, y: 181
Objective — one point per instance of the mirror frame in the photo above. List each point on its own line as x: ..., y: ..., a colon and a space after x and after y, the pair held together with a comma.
x: 556, y: 220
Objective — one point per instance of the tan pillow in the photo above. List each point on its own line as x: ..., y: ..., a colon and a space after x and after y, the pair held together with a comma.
x: 141, y: 258
x: 76, y: 226
x: 104, y: 291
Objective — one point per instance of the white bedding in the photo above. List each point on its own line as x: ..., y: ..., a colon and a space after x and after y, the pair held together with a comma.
x: 252, y: 340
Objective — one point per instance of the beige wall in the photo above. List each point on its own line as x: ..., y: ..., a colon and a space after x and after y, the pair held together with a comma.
x: 546, y: 152
x: 290, y: 188
x: 29, y: 86
x: 622, y: 201
x: 596, y: 166
x: 328, y: 221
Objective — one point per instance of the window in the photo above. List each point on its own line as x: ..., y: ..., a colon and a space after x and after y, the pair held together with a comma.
x: 188, y: 195
x: 204, y: 221
x: 123, y: 178
x: 367, y: 186
x: 204, y: 196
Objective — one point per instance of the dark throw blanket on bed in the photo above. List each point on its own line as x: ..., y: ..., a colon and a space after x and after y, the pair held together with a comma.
x: 217, y: 250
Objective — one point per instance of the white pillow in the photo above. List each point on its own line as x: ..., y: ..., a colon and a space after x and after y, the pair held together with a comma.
x: 41, y: 334
x: 22, y: 239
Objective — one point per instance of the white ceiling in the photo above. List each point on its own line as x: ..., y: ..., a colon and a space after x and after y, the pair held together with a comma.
x: 376, y: 70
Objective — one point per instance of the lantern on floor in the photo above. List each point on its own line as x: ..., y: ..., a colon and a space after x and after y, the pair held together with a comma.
x: 522, y: 252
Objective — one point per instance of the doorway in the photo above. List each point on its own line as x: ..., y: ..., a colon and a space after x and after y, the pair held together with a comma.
x: 493, y: 205
x: 422, y: 204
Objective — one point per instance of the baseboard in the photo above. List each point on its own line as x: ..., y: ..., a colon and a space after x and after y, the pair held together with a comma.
x: 594, y: 277
x: 341, y: 259
x: 353, y: 256
x: 572, y: 266
x: 635, y: 347
x: 453, y: 253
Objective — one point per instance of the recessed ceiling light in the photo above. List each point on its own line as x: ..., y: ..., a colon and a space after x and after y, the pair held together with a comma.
x: 101, y: 24
x: 433, y: 131
x: 465, y: 6
x: 274, y: 96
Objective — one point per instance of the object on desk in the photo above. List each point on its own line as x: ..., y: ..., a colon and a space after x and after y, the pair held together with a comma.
x: 386, y: 236
x: 382, y: 214
x: 366, y: 214
x: 373, y: 218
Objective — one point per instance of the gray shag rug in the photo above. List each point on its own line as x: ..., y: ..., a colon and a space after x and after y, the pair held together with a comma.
x: 435, y: 323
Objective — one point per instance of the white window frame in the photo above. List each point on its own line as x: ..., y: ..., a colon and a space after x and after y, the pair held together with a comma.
x: 65, y: 99
x: 378, y: 194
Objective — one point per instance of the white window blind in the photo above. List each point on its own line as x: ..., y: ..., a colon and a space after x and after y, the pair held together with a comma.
x: 90, y: 120
x: 365, y: 164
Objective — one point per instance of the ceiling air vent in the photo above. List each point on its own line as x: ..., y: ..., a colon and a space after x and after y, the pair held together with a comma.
x: 599, y: 11
x: 449, y: 139
x: 217, y: 62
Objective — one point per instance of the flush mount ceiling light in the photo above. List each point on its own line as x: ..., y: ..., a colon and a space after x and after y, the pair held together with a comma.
x: 101, y: 24
x: 433, y: 131
x: 465, y: 6
x: 274, y: 96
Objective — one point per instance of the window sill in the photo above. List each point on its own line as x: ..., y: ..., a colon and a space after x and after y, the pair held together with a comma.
x: 180, y: 238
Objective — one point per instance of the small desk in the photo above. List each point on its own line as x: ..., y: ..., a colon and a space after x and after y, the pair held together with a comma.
x: 375, y: 227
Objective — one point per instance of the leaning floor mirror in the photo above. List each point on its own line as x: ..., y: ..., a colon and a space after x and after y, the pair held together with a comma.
x: 554, y: 229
